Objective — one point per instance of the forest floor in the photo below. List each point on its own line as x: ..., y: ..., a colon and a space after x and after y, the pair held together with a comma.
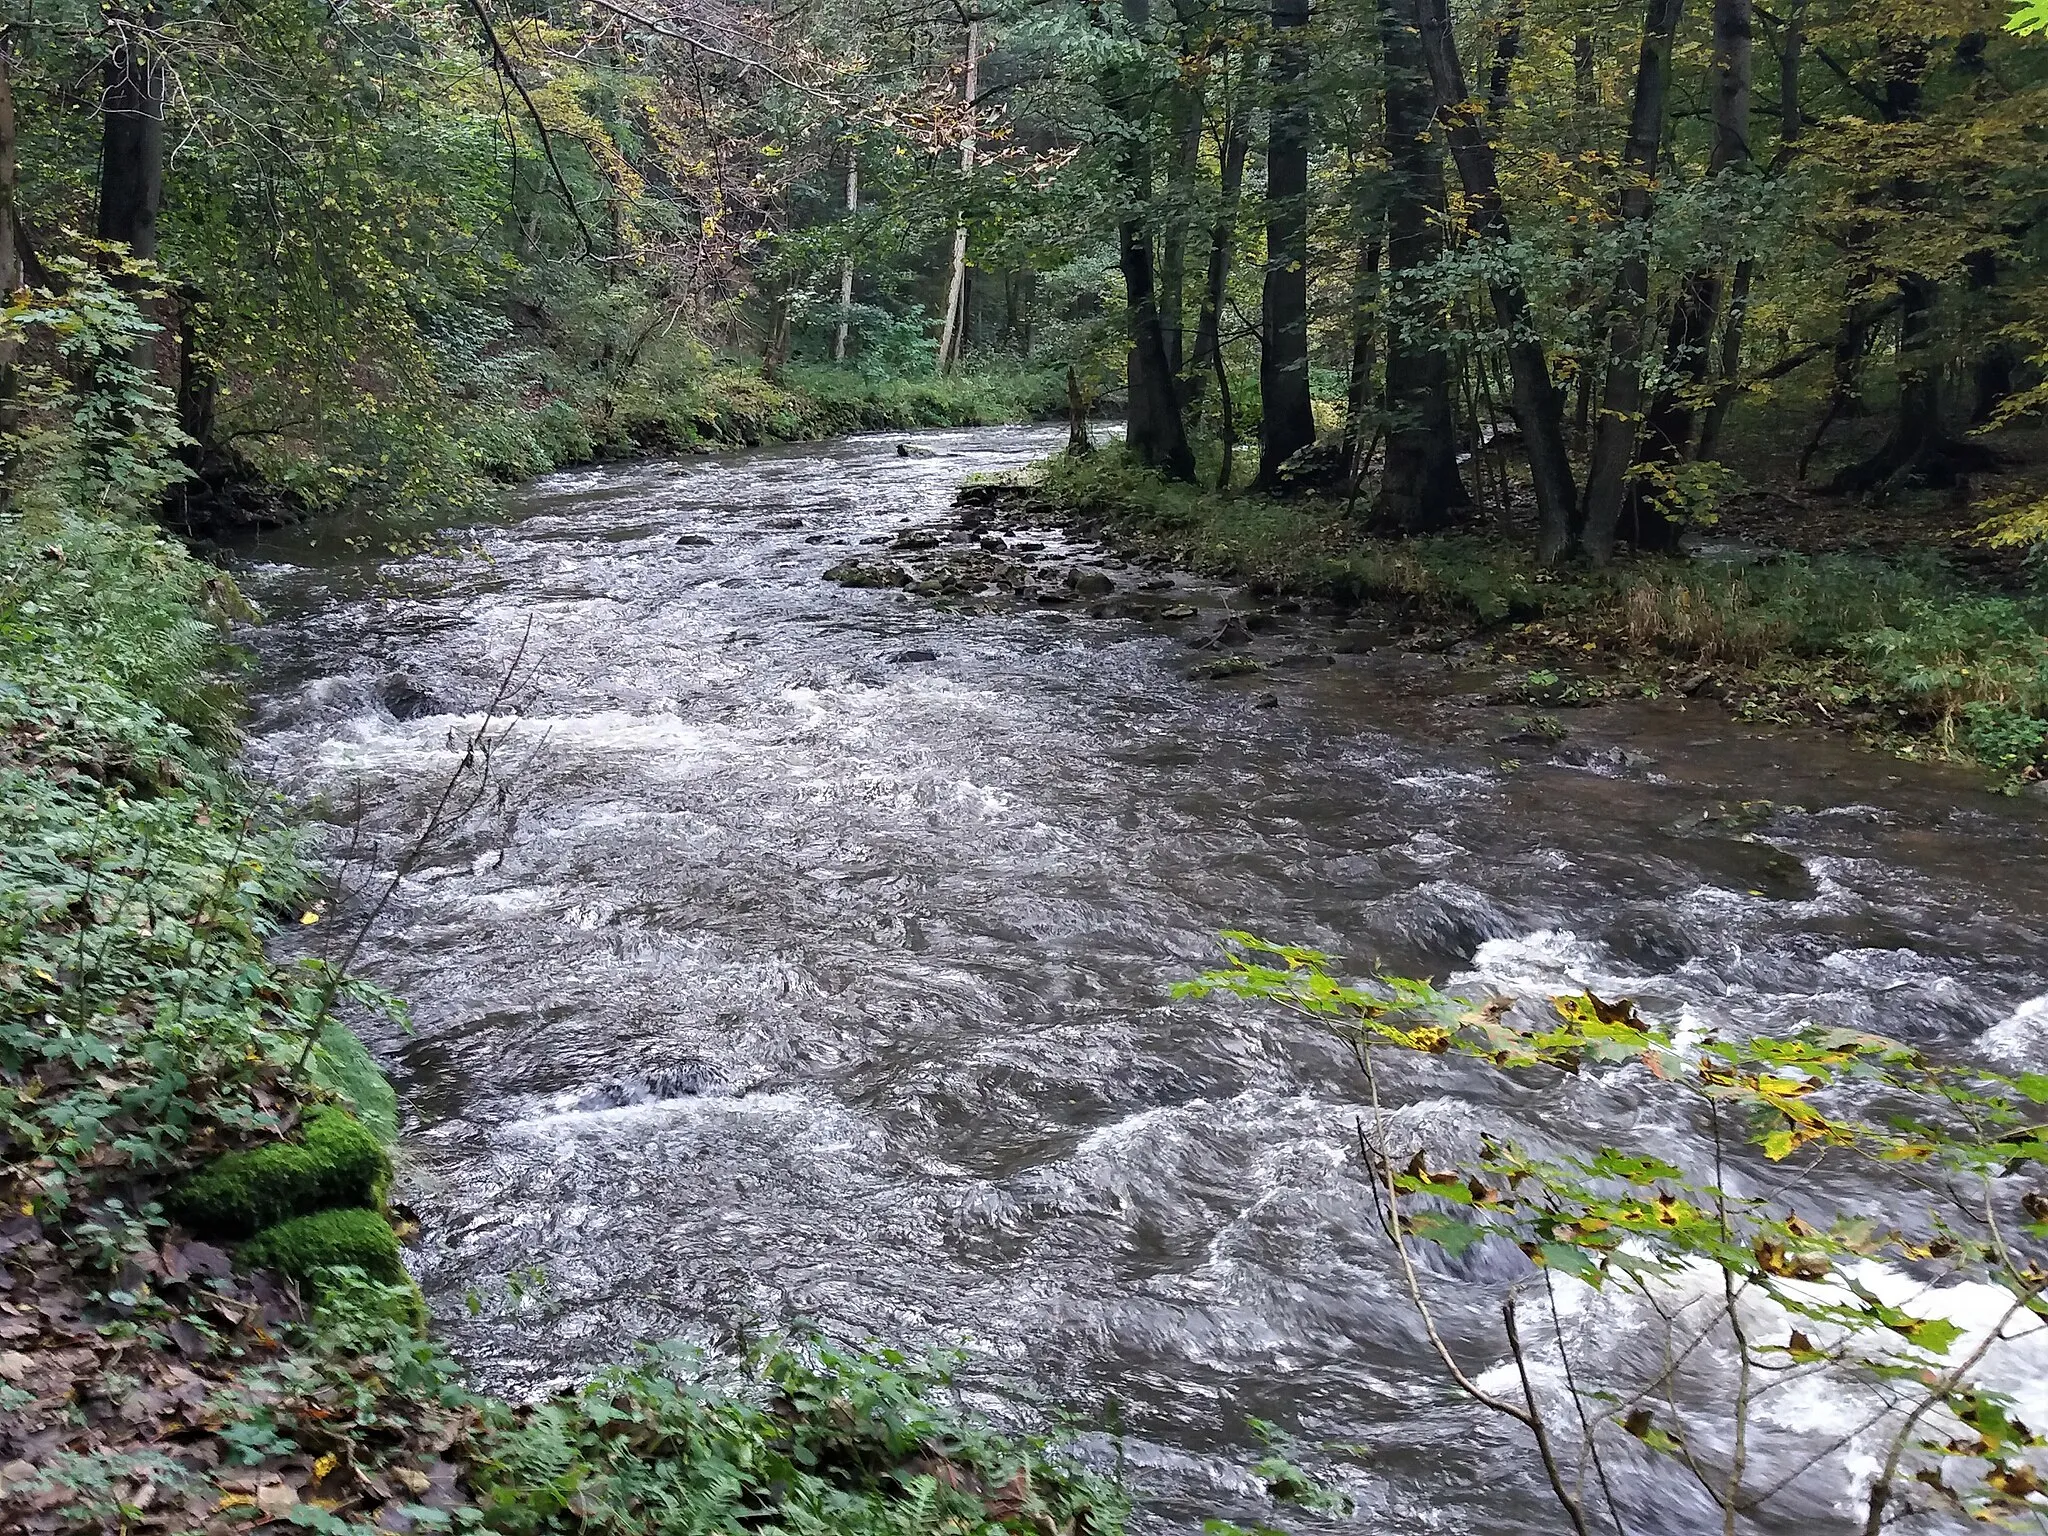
x: 1897, y: 624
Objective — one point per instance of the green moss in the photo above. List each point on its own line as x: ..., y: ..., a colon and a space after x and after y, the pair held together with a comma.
x: 300, y: 1248
x: 339, y: 1163
x: 342, y: 1065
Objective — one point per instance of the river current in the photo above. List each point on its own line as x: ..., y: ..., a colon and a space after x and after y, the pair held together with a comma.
x: 811, y: 956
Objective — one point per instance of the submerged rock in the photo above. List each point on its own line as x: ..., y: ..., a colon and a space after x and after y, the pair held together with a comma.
x: 406, y: 700
x: 920, y: 654
x: 692, y: 539
x: 868, y: 573
x: 913, y: 451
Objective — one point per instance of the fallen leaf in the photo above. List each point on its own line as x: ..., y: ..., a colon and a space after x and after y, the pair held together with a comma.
x: 275, y: 1498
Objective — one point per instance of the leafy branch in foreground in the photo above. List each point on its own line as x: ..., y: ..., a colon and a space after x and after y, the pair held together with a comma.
x: 1700, y: 1223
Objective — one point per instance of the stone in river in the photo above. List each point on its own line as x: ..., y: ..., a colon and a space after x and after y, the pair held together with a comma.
x: 916, y: 655
x: 868, y: 573
x: 693, y: 538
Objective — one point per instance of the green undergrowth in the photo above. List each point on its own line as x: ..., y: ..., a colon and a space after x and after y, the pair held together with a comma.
x: 1900, y: 648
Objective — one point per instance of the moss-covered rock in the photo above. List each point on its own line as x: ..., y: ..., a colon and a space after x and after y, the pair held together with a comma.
x: 302, y: 1247
x: 338, y: 1162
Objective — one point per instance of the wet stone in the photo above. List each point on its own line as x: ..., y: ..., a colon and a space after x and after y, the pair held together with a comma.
x: 693, y: 540
x: 902, y: 657
x: 868, y: 573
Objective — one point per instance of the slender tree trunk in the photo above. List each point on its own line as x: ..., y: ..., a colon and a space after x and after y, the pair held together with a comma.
x: 952, y: 337
x: 1154, y: 431
x: 1621, y: 397
x: 10, y: 176
x: 1078, y: 445
x: 1231, y: 154
x: 1287, y: 421
x: 846, y: 261
x: 1689, y: 344
x: 10, y: 264
x: 1419, y: 488
x: 1186, y: 114
x: 1365, y: 335
x: 1791, y: 125
x: 1585, y: 98
x: 1537, y: 406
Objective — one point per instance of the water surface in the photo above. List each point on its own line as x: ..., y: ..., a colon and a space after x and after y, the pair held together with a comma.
x: 779, y: 978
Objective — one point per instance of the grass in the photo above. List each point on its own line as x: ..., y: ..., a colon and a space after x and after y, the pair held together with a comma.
x: 1899, y: 648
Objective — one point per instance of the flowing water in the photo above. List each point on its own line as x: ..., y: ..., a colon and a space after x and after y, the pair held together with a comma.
x: 782, y: 973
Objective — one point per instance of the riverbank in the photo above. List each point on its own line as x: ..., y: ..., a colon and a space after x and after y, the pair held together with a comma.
x: 1900, y: 650
x: 567, y: 419
x: 204, y: 1320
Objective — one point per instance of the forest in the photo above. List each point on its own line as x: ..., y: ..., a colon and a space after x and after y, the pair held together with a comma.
x: 524, y: 1009
x: 1581, y: 274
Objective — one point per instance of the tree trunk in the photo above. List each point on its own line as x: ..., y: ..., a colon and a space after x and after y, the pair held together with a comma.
x: 1689, y: 343
x: 846, y: 261
x: 1186, y: 113
x: 1288, y: 422
x: 1078, y: 445
x: 1231, y: 154
x: 952, y: 337
x: 1790, y: 127
x: 1621, y: 396
x: 1154, y: 430
x: 10, y: 265
x: 1420, y: 490
x: 1365, y: 335
x: 10, y: 176
x: 1534, y: 400
x: 132, y: 140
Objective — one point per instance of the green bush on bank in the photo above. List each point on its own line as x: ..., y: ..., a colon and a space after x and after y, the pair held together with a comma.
x: 737, y: 404
x: 1903, y: 644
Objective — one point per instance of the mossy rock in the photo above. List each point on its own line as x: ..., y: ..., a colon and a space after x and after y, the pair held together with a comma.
x: 356, y: 1238
x: 339, y: 1162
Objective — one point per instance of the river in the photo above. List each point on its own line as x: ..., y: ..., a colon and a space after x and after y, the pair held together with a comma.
x: 783, y: 973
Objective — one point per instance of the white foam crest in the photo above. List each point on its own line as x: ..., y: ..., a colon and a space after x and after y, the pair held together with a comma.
x: 2021, y: 1037
x: 1823, y: 1410
x: 779, y: 1104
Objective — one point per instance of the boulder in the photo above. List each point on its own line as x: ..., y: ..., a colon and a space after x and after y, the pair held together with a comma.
x: 336, y: 1162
